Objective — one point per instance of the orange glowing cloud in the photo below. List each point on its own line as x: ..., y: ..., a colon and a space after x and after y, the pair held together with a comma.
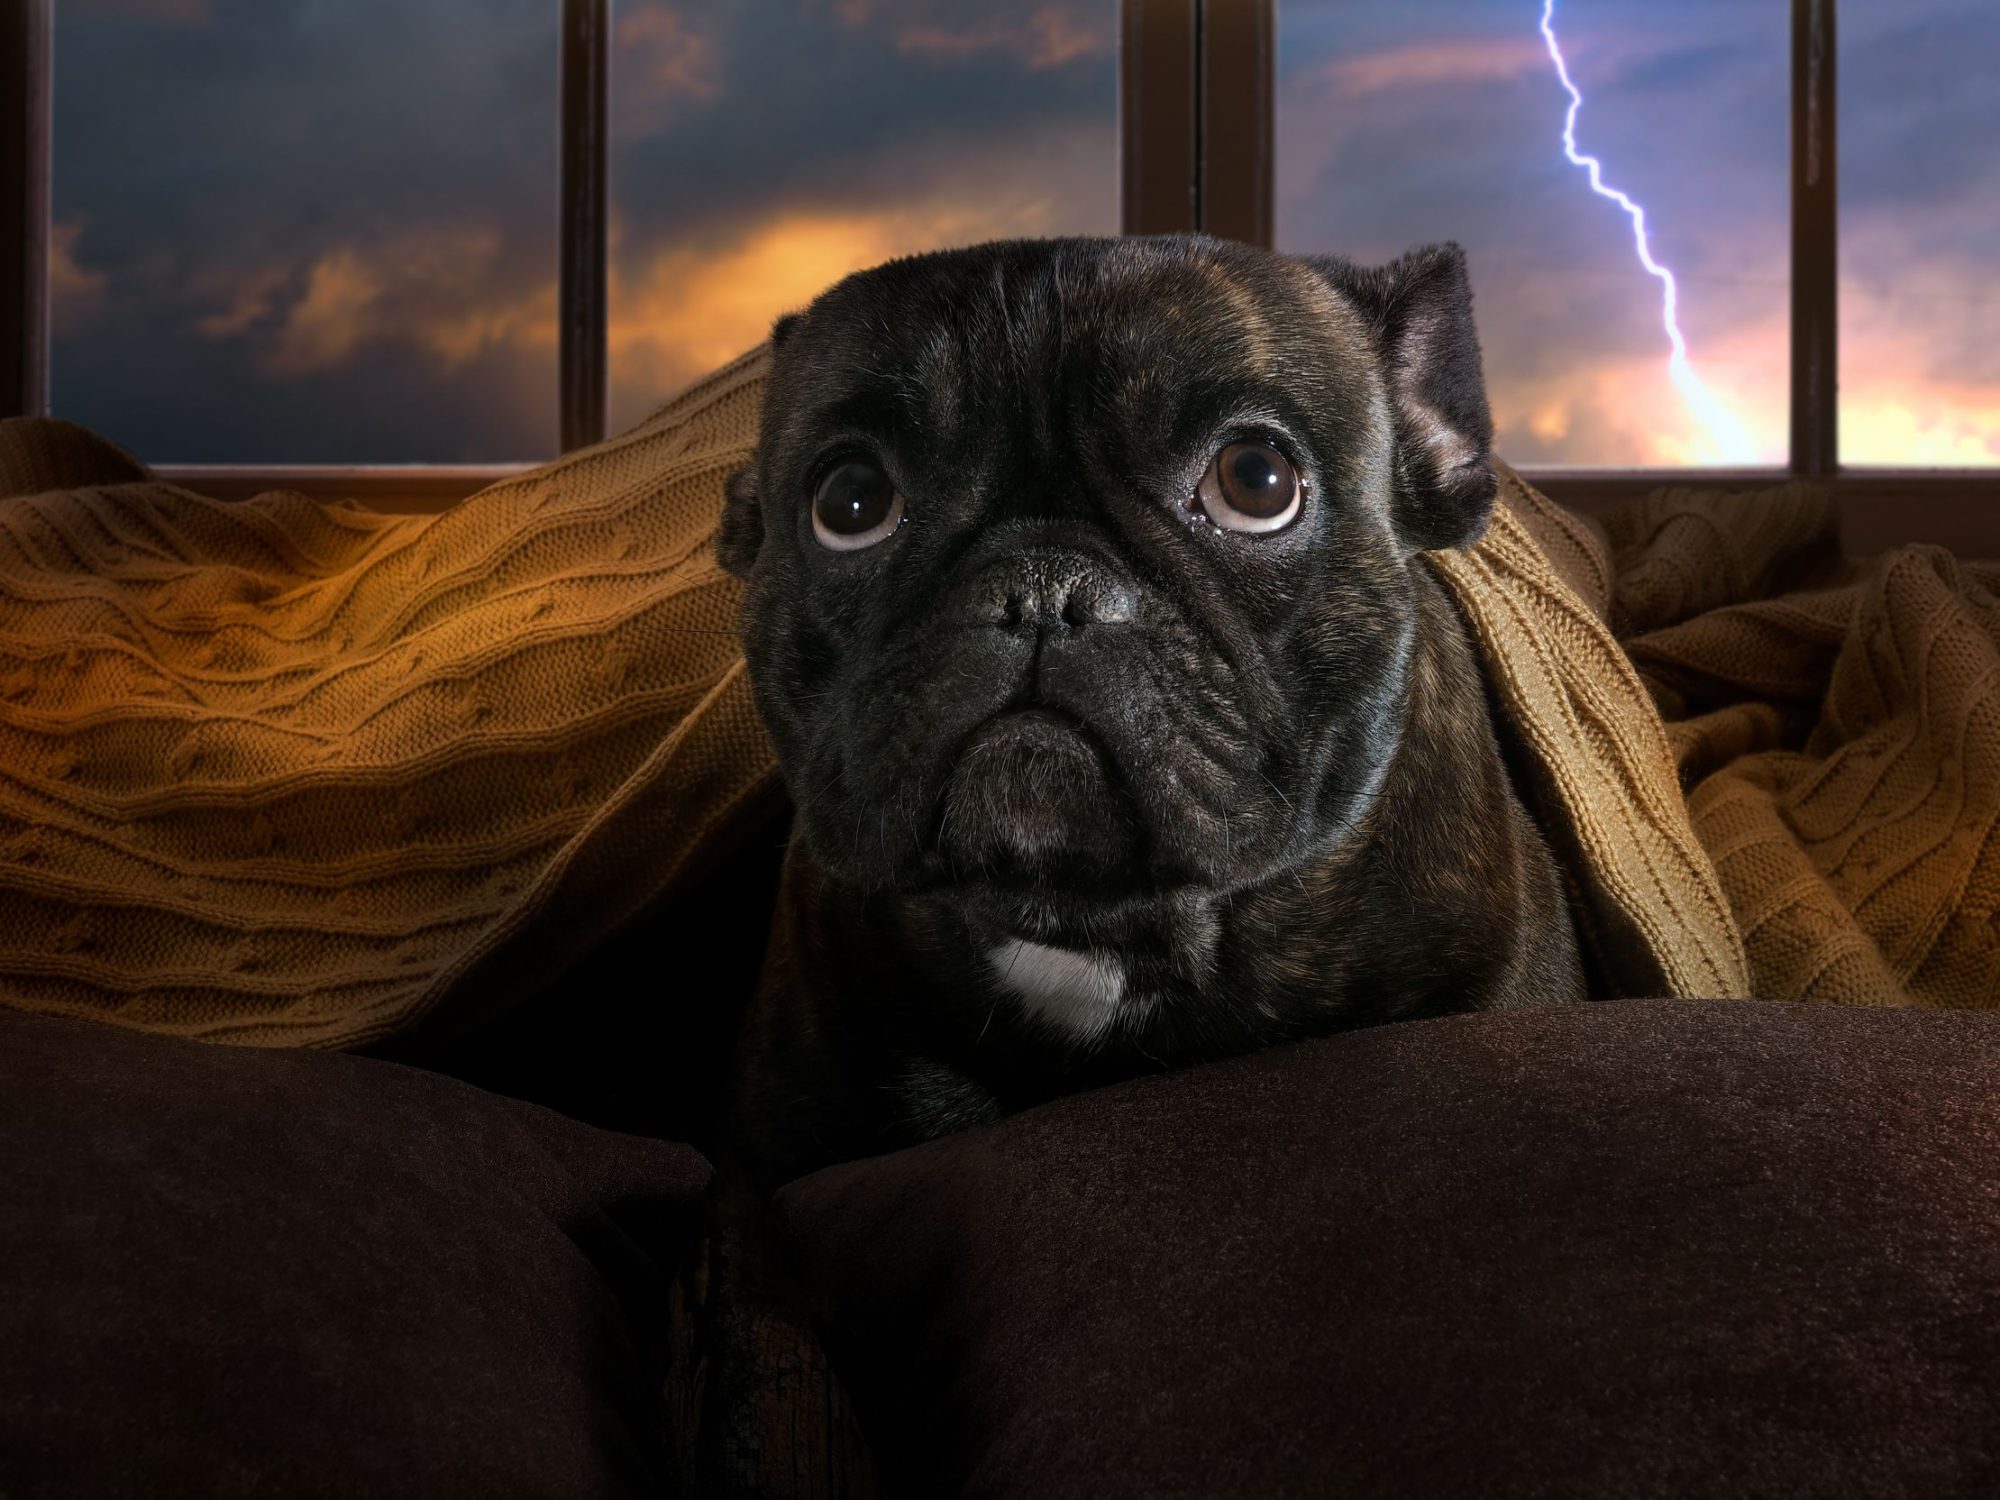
x: 1925, y: 426
x: 1918, y: 384
x: 663, y: 58
x: 1895, y: 408
x: 686, y: 309
x: 253, y: 297
x: 334, y: 317
x: 1916, y: 341
x: 454, y: 295
x: 680, y: 308
x: 1050, y: 37
x: 75, y: 291
x: 1894, y: 411
x: 1625, y: 411
x: 1427, y: 64
x: 1634, y: 413
x: 437, y: 290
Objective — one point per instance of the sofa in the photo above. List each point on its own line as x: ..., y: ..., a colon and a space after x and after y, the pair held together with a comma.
x: 378, y: 896
x: 1641, y: 1248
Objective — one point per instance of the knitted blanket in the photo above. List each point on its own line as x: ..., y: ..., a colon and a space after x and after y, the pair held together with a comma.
x: 1837, y: 724
x: 287, y: 773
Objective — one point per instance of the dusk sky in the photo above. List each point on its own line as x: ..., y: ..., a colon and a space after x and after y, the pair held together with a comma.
x: 324, y: 230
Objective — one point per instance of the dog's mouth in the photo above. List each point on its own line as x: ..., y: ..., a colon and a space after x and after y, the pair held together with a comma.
x: 1035, y: 797
x: 1034, y: 729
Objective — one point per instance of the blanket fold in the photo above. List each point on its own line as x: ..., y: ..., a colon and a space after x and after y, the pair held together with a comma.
x: 1651, y: 912
x: 1838, y: 727
x: 291, y: 773
x: 287, y: 773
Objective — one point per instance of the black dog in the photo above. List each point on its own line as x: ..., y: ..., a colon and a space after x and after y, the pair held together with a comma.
x: 1125, y: 724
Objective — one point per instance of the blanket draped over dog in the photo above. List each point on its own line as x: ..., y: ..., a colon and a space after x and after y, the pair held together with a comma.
x: 287, y: 773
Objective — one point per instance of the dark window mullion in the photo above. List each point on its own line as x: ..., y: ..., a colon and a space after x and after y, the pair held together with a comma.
x: 582, y: 264
x: 1236, y: 119
x: 24, y: 207
x: 1156, y: 107
x: 1815, y: 243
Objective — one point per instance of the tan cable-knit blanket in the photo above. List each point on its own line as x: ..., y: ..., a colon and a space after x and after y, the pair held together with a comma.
x: 281, y: 772
x: 286, y: 773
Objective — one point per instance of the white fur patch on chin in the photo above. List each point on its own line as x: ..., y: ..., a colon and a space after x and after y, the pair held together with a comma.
x: 1075, y: 993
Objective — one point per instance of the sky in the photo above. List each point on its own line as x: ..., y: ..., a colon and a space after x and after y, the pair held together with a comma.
x: 299, y: 231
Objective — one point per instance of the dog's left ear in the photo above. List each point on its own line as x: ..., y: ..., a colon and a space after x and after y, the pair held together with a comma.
x: 740, y: 532
x: 739, y: 535
x: 1419, y: 308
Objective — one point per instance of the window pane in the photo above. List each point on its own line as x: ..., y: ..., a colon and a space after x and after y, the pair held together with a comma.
x: 307, y: 231
x: 763, y: 149
x: 1443, y: 119
x: 1919, y: 232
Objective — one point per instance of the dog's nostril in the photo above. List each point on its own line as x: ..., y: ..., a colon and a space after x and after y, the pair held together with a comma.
x: 1116, y: 604
x: 1063, y: 600
x: 1097, y: 602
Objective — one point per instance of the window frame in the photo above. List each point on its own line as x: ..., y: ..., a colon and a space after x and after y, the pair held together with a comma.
x: 24, y: 207
x: 1184, y: 165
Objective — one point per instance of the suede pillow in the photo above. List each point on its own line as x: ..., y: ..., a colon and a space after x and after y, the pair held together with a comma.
x: 228, y: 1273
x: 1643, y: 1249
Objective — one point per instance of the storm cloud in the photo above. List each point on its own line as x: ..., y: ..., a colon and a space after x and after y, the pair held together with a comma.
x: 324, y: 230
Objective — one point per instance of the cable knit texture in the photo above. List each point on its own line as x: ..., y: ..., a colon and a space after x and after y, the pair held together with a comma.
x: 1653, y: 918
x: 1838, y: 727
x: 289, y: 773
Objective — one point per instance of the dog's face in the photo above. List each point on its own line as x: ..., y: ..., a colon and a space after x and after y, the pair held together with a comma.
x: 1079, y: 570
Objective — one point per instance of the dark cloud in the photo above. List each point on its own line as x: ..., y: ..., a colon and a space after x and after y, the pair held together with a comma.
x: 1920, y: 193
x: 200, y: 168
x: 1924, y: 122
x: 835, y: 116
x: 293, y: 231
x: 875, y: 127
x: 262, y: 210
x: 1475, y: 155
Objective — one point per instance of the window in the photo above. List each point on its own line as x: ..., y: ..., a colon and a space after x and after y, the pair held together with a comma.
x: 757, y: 150
x: 324, y: 234
x: 1444, y: 119
x: 1919, y: 225
x: 306, y: 233
x: 763, y: 149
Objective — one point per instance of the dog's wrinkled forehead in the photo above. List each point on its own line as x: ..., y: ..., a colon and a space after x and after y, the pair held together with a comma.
x: 1149, y: 334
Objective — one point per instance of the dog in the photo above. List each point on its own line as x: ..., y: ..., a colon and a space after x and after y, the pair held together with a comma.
x: 1086, y: 605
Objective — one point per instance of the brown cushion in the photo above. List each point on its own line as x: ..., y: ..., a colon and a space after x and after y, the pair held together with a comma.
x: 227, y: 1272
x: 1646, y: 1249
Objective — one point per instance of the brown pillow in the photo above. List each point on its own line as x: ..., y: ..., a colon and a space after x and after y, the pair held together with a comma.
x: 1647, y: 1249
x: 228, y: 1272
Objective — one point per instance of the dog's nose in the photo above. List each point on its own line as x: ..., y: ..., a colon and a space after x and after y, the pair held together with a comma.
x: 1052, y: 593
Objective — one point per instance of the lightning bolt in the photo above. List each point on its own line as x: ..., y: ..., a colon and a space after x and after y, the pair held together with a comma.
x: 1728, y: 440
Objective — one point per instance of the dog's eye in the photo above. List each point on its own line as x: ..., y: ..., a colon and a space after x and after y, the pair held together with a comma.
x: 1250, y: 486
x: 855, y: 506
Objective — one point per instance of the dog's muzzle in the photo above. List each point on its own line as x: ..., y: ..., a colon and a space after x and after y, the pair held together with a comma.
x: 1034, y: 793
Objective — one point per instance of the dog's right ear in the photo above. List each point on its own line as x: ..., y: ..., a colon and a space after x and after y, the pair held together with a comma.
x: 740, y: 533
x: 1419, y: 309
